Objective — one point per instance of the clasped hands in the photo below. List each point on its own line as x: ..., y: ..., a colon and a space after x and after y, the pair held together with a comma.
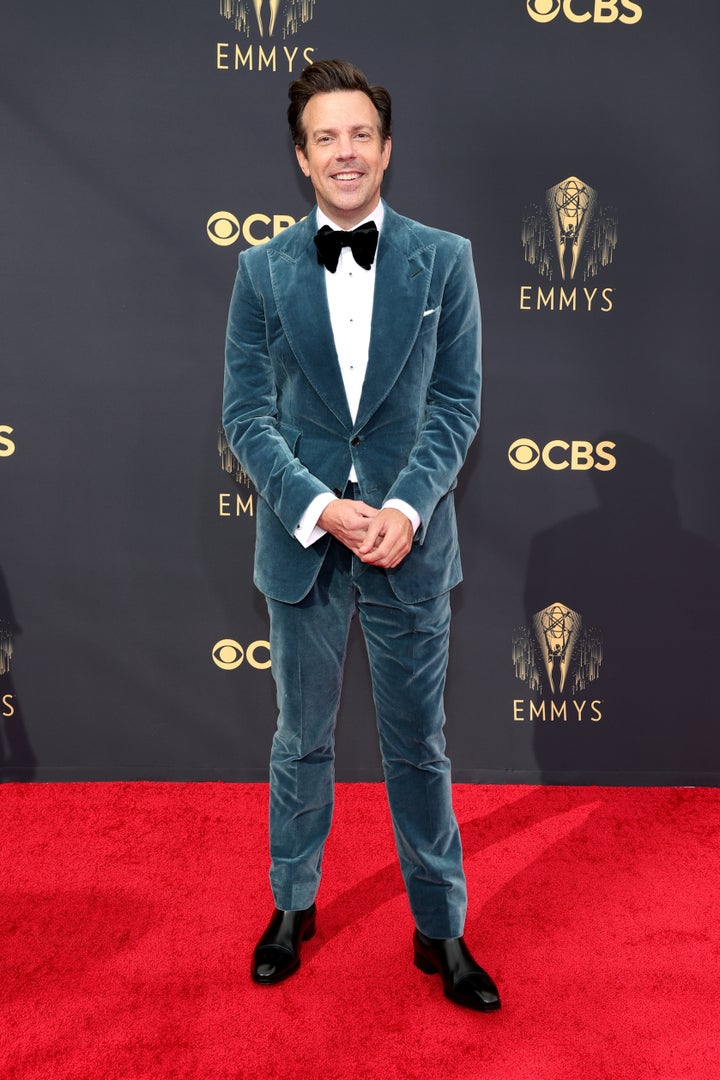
x: 378, y: 537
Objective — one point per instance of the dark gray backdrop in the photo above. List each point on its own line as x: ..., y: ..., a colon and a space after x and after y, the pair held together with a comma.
x: 123, y: 561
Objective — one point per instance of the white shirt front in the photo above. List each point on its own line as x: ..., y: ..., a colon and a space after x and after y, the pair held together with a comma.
x: 350, y: 292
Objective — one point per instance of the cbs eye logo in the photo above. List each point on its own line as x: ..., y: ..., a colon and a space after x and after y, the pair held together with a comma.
x: 223, y: 228
x: 229, y: 654
x: 543, y: 10
x: 602, y: 11
x: 579, y: 456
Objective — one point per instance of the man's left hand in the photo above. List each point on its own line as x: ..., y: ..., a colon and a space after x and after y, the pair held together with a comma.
x: 388, y: 539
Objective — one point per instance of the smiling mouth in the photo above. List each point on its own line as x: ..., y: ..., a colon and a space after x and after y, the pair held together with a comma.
x: 347, y: 176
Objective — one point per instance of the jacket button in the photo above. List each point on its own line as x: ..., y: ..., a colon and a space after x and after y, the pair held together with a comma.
x: 355, y: 441
x: 337, y: 493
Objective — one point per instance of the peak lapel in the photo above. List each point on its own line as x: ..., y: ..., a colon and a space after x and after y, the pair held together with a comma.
x: 402, y: 283
x: 298, y: 284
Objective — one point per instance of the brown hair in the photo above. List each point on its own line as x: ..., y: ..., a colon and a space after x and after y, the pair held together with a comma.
x: 324, y: 77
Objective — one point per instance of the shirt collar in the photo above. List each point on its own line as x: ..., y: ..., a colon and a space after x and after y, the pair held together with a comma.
x: 377, y: 216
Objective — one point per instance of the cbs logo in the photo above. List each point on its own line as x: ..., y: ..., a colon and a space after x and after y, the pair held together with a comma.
x: 224, y: 228
x: 524, y: 454
x: 229, y: 654
x: 7, y: 446
x: 581, y: 11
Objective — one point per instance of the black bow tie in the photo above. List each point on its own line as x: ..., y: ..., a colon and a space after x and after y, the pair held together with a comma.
x: 361, y: 241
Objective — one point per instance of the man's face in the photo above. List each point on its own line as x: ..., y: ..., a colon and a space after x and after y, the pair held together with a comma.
x: 344, y: 156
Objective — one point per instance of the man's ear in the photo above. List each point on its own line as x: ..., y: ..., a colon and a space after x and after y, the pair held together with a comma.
x: 302, y: 160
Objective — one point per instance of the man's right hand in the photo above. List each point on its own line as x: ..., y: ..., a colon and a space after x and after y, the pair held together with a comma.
x: 347, y: 520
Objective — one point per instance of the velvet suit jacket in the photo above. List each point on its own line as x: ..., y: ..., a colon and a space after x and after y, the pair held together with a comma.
x: 286, y: 415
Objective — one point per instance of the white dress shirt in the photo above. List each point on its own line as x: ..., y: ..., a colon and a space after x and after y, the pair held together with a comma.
x: 350, y: 293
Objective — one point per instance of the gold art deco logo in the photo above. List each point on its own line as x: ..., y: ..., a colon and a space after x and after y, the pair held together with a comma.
x: 265, y: 20
x: 625, y: 12
x: 6, y: 645
x: 569, y: 238
x: 238, y: 503
x: 269, y: 16
x: 558, y: 656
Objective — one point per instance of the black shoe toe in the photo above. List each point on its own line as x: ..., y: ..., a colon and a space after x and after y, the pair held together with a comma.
x: 464, y: 981
x: 277, y: 954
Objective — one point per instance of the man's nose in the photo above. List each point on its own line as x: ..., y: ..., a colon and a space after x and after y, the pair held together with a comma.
x: 344, y: 147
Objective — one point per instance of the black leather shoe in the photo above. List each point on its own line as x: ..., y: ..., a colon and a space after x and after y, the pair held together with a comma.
x: 464, y: 981
x: 277, y: 954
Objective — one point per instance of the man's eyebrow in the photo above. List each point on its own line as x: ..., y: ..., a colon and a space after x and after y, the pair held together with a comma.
x: 334, y: 130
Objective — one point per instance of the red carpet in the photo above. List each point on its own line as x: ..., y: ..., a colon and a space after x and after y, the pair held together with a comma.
x: 129, y: 912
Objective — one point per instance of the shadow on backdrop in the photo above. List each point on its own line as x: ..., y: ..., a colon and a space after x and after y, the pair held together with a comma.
x: 622, y: 608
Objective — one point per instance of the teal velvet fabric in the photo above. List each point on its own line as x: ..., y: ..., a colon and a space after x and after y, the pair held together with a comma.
x: 407, y: 647
x: 285, y: 412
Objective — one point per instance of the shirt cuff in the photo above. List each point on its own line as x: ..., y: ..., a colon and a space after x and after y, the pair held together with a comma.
x: 308, y: 530
x: 406, y: 509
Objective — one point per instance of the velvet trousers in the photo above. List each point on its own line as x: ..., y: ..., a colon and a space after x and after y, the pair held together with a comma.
x: 408, y: 650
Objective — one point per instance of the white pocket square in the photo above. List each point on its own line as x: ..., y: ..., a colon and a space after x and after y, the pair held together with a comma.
x: 429, y: 311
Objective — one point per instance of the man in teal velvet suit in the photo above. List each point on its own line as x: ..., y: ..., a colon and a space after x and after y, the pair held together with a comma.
x: 352, y: 393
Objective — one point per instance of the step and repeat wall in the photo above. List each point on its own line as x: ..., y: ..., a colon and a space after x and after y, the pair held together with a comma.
x: 575, y: 142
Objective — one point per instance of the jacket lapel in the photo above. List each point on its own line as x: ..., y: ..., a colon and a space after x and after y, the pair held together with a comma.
x: 298, y: 284
x: 402, y: 283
